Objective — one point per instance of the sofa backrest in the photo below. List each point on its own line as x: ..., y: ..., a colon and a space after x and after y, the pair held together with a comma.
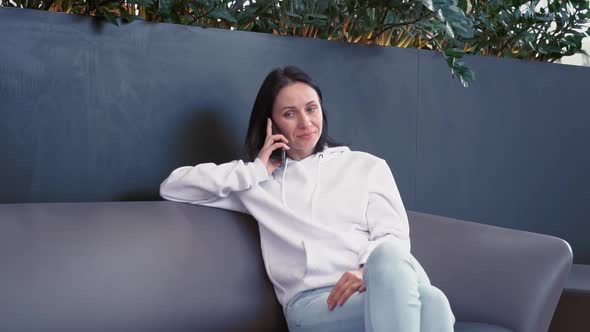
x: 166, y: 266
x: 133, y: 267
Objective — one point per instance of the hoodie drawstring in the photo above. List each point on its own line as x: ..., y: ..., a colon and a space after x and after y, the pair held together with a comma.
x: 317, y: 184
x: 315, y: 187
x: 283, y: 184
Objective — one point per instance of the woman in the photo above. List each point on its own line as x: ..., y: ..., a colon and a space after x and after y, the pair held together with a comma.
x: 333, y: 229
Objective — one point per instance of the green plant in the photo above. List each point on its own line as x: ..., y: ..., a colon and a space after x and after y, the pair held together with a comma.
x: 510, y: 28
x: 524, y: 30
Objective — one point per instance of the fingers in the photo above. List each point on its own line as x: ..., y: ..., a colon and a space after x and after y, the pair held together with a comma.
x: 344, y: 288
x: 335, y: 293
x: 270, y: 138
x: 279, y: 145
x: 274, y: 138
x: 345, y: 296
x: 271, y: 143
x: 268, y: 127
x: 338, y: 292
x: 341, y: 296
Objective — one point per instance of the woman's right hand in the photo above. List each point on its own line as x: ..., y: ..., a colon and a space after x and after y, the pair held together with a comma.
x: 271, y: 143
x: 349, y: 283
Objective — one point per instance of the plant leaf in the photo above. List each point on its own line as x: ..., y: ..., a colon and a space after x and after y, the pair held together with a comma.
x: 220, y: 13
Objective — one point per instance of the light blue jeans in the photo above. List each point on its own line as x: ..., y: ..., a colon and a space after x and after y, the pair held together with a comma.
x: 399, y: 298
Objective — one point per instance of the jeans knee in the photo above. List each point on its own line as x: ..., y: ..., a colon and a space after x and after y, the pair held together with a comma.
x: 429, y: 293
x: 432, y: 297
x: 388, y: 256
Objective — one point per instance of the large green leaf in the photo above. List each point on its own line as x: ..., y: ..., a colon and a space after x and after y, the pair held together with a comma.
x: 221, y: 13
x: 110, y: 17
x: 454, y: 52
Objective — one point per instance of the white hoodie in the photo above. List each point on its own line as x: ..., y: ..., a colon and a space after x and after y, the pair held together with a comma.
x: 318, y: 217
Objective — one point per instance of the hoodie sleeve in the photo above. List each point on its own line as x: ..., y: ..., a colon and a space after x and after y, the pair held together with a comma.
x: 386, y: 215
x: 213, y: 185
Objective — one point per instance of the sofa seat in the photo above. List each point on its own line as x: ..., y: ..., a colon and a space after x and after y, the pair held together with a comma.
x: 479, y: 327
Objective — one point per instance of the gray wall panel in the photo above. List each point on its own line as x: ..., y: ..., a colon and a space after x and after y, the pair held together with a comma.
x: 94, y: 112
x: 512, y: 150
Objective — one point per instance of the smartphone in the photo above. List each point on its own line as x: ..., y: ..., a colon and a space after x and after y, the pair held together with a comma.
x: 278, y: 154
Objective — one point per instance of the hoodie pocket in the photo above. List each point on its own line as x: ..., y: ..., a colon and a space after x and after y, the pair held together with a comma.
x: 311, y: 259
x: 329, y: 259
x: 287, y: 269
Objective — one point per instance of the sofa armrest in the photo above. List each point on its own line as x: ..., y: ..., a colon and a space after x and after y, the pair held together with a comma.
x: 492, y: 274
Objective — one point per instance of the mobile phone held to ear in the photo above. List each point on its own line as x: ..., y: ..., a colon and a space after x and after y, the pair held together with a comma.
x: 278, y: 154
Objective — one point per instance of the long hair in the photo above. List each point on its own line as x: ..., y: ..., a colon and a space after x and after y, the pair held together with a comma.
x: 262, y: 109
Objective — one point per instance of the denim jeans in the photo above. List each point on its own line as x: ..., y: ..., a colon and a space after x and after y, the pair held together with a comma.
x: 399, y: 298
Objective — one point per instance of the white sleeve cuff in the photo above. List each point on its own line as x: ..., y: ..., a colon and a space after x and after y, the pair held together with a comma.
x: 260, y: 173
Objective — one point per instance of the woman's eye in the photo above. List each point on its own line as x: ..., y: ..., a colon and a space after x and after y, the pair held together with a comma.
x: 312, y: 109
x: 288, y: 114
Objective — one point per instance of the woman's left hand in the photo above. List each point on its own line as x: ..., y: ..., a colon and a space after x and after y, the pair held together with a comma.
x: 349, y: 283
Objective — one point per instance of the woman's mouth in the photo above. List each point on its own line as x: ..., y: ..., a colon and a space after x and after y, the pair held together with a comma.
x: 306, y: 136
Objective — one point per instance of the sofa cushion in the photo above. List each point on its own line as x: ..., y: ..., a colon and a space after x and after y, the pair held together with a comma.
x: 133, y: 267
x: 478, y: 327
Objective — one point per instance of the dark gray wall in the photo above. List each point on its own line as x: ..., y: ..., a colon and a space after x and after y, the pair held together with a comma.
x: 511, y: 150
x: 94, y: 112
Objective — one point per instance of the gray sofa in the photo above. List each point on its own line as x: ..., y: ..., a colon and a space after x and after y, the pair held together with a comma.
x: 164, y: 266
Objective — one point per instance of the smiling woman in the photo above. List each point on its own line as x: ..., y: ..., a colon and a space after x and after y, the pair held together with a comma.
x: 333, y: 228
x: 293, y: 102
x: 297, y: 115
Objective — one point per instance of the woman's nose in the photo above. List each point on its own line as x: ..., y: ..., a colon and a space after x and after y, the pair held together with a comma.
x: 304, y: 121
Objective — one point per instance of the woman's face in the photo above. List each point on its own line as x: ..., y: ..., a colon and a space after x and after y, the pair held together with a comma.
x: 298, y: 116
